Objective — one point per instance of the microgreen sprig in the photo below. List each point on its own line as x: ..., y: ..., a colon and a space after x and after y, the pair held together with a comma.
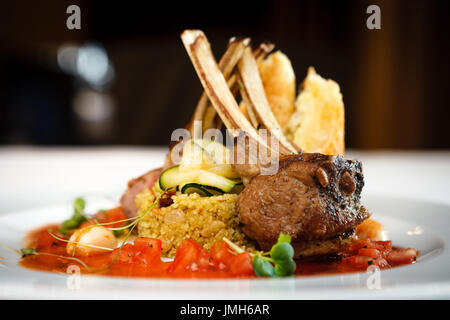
x: 133, y: 225
x: 116, y: 221
x: 118, y: 231
x: 31, y: 251
x: 77, y: 218
x: 28, y: 251
x: 78, y: 243
x: 278, y: 262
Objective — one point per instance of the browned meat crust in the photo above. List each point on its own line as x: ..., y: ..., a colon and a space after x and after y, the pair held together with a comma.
x: 322, y: 248
x: 312, y: 197
x: 136, y: 186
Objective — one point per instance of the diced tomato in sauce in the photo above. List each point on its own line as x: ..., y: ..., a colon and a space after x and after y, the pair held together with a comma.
x: 363, y: 254
x: 241, y: 264
x: 402, y: 256
x: 371, y: 253
x: 144, y: 251
x: 381, y: 246
x: 109, y: 217
x: 142, y: 257
x: 47, y: 241
x: 186, y: 258
x: 221, y: 252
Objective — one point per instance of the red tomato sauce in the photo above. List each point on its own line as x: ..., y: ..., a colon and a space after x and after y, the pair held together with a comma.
x: 142, y: 258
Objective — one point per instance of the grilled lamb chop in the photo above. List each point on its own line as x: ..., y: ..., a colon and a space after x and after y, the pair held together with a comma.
x: 313, y: 197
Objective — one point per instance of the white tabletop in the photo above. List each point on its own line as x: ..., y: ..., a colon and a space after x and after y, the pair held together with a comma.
x: 32, y: 177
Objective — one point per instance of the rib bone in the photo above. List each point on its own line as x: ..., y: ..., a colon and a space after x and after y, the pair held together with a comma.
x: 210, y: 118
x: 216, y: 86
x: 256, y: 101
x: 204, y: 112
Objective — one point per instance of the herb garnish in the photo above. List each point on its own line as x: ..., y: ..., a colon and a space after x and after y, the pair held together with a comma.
x: 278, y: 262
x: 77, y: 218
x: 28, y: 251
x: 118, y: 233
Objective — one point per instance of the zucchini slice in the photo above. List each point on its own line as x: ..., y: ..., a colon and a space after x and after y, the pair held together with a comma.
x: 210, y: 182
x: 196, y: 188
x: 172, y: 177
x: 224, y: 170
x: 211, y: 179
x: 194, y: 157
x: 157, y: 187
x: 215, y: 191
x: 216, y: 151
x: 204, y: 154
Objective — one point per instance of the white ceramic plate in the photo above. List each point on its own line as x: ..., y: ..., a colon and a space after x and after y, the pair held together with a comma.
x: 425, y: 226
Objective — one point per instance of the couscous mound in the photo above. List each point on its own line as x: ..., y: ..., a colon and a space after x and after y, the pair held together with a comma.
x: 202, y: 219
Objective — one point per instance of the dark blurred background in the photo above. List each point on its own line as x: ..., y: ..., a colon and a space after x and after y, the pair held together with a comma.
x: 125, y: 77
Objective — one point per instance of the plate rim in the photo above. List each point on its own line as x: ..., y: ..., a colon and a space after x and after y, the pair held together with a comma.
x: 430, y: 289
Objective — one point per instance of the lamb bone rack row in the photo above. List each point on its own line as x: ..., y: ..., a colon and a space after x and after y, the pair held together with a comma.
x: 222, y: 98
x: 204, y: 111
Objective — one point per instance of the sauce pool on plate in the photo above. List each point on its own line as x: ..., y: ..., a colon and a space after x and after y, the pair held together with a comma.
x: 142, y: 258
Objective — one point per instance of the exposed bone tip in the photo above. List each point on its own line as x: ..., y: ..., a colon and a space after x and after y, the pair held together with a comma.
x: 189, y: 36
x: 247, y: 41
